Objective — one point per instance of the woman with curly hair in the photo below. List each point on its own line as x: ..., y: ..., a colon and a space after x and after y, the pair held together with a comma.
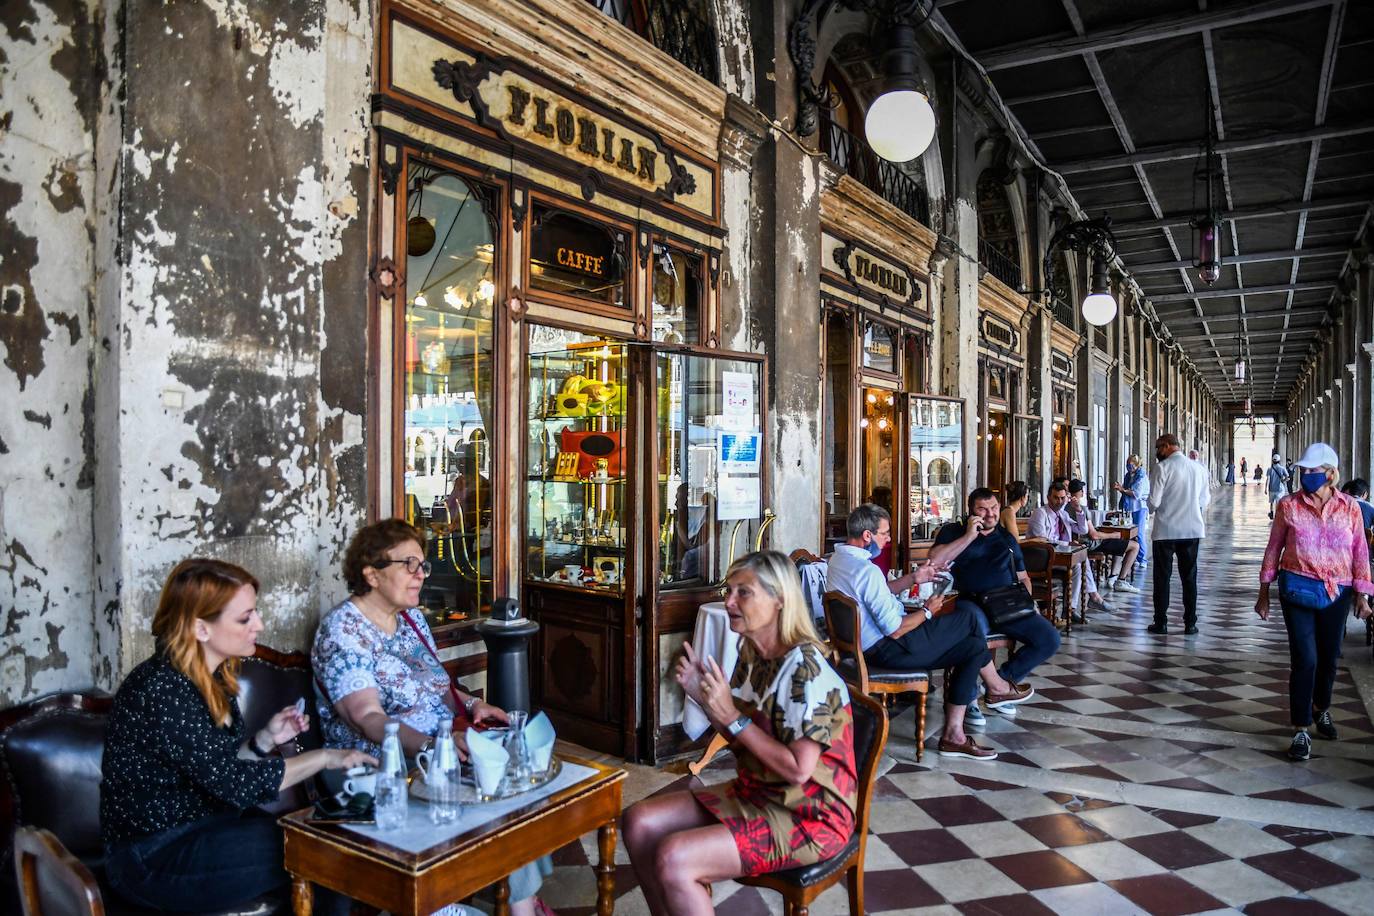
x: 788, y: 716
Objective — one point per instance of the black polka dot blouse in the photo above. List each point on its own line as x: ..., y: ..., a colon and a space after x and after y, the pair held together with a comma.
x: 166, y: 761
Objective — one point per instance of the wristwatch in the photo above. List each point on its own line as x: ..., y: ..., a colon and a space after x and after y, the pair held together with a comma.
x: 929, y: 615
x: 737, y: 726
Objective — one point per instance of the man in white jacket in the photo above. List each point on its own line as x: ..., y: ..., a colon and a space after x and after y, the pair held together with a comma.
x: 1179, y: 491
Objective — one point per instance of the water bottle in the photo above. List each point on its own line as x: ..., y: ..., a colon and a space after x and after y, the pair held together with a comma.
x: 391, y: 801
x: 441, y: 780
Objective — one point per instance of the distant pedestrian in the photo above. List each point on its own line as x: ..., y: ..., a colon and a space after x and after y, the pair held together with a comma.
x: 1135, y: 490
x: 1359, y: 489
x: 1179, y: 491
x: 1319, y: 554
x: 1292, y: 481
x: 1259, y: 474
x: 1278, y: 482
x: 1231, y: 473
x: 1244, y: 471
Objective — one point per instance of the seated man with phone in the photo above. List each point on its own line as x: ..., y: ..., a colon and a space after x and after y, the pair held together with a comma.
x: 921, y: 640
x: 994, y: 587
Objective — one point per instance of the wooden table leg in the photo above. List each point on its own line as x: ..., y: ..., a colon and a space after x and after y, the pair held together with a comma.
x: 503, y: 897
x: 302, y: 897
x: 716, y: 745
x: 605, y: 869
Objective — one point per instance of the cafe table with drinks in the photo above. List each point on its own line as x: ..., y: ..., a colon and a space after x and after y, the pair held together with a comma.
x: 414, y: 842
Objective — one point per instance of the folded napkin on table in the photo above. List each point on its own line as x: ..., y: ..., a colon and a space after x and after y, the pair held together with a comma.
x: 488, y: 761
x: 539, y: 738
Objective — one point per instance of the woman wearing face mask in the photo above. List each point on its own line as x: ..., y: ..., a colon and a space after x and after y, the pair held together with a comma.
x: 1318, y: 553
x: 1135, y: 490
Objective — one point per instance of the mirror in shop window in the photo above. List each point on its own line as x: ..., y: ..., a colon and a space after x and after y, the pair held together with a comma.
x: 936, y: 449
x: 574, y: 256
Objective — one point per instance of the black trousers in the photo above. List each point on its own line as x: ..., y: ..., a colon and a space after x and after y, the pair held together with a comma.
x: 954, y: 640
x: 1186, y: 551
x: 1314, y: 645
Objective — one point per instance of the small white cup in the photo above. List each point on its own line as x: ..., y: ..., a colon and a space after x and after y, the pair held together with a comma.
x: 573, y: 572
x: 360, y: 781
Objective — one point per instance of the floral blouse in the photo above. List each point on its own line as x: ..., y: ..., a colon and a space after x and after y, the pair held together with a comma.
x: 776, y: 824
x: 352, y: 654
x: 1327, y: 544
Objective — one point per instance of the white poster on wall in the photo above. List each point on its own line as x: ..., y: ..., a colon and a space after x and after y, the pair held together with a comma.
x: 737, y: 392
x: 738, y: 498
x: 738, y: 487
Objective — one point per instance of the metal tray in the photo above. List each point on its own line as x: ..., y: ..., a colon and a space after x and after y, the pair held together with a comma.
x: 469, y: 794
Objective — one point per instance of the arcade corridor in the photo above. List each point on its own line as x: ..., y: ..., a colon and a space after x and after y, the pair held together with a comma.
x: 1148, y: 775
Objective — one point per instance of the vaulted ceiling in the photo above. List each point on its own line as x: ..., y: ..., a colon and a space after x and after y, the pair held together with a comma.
x: 1114, y: 95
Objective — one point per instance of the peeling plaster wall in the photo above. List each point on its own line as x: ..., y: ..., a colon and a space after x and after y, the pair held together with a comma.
x: 50, y: 67
x: 236, y: 341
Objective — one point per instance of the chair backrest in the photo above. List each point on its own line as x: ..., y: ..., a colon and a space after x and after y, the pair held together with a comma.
x: 53, y: 882
x: 1038, y: 554
x: 870, y: 736
x: 269, y: 681
x: 842, y: 622
x: 1022, y: 526
x: 801, y: 556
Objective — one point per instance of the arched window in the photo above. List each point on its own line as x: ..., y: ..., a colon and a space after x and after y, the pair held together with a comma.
x: 938, y: 472
x: 999, y: 248
x: 682, y: 29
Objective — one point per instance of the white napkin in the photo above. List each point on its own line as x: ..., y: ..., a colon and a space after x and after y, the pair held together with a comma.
x: 488, y: 761
x: 539, y: 738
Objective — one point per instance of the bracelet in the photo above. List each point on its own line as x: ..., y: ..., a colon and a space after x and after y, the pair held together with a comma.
x: 258, y: 752
x: 469, y: 705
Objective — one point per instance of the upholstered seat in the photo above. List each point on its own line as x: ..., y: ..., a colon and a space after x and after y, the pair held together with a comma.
x: 849, y: 671
x: 50, y: 771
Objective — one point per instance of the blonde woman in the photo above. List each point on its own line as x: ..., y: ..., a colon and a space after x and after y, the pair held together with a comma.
x: 787, y: 714
x: 181, y: 780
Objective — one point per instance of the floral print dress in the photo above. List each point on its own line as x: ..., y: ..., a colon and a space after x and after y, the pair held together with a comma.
x: 352, y: 654
x: 777, y: 825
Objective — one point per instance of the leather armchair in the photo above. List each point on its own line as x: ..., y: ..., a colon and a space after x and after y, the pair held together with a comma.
x: 50, y: 758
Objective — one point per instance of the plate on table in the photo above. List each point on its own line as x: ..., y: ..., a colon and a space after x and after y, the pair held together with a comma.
x: 469, y: 794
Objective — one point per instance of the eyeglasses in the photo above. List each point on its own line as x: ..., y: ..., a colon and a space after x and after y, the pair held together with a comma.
x: 412, y: 565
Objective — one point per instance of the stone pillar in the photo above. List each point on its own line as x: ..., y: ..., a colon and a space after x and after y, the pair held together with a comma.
x: 1363, y: 431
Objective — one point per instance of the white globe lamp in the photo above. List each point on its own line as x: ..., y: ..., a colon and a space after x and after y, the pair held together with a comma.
x: 1099, y: 307
x: 900, y: 123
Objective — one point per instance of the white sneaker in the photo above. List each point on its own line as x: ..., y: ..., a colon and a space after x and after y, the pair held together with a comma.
x: 1122, y: 585
x: 973, y: 715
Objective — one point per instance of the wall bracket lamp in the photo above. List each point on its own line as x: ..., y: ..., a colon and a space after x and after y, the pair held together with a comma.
x: 1094, y: 238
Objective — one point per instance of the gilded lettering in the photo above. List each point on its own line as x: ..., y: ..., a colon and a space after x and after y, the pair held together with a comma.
x: 519, y: 101
x: 566, y: 130
x: 647, y: 160
x: 627, y: 156
x: 587, y: 134
x: 541, y: 118
x: 608, y: 144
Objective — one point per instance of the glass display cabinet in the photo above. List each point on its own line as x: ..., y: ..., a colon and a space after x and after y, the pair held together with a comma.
x: 936, y: 429
x: 576, y: 466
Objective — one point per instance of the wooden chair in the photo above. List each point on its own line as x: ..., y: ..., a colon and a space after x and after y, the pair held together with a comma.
x: 1039, y: 557
x: 52, y: 881
x: 800, y: 886
x: 842, y: 619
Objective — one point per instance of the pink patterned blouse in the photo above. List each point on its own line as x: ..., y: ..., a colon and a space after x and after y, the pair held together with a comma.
x: 1327, y: 543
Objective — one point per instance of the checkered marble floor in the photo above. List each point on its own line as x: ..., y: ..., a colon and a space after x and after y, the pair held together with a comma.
x: 1148, y: 775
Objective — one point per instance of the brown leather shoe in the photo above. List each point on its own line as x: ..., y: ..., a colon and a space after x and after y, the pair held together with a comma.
x: 1021, y: 694
x: 968, y: 749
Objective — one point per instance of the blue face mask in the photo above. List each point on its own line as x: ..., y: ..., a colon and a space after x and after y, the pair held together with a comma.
x: 874, y: 549
x: 1312, y: 481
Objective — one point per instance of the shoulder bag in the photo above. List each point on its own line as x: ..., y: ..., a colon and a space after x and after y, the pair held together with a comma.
x: 1303, y: 591
x: 1006, y: 603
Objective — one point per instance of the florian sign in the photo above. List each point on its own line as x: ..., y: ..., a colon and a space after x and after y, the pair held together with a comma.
x: 891, y: 284
x: 550, y: 125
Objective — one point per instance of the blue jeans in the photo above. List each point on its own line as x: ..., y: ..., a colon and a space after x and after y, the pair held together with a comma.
x: 1314, y: 644
x: 1138, y: 518
x: 948, y: 641
x: 1036, y: 637
x: 229, y: 859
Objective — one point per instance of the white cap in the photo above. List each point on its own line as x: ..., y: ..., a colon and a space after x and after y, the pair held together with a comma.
x: 1276, y: 457
x: 1318, y: 455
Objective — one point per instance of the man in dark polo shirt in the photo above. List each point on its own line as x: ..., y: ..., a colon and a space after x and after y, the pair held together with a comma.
x: 990, y: 558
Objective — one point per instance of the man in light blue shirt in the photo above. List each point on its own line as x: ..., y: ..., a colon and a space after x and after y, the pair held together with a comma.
x: 919, y: 641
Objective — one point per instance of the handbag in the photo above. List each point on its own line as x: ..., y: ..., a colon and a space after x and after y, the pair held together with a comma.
x: 1303, y: 591
x: 1005, y: 604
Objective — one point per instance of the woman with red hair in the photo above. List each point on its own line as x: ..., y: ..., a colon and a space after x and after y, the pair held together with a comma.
x: 181, y: 779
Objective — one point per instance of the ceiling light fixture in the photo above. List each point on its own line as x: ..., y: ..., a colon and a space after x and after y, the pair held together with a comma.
x: 1094, y: 238
x: 900, y: 123
x: 1207, y: 228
